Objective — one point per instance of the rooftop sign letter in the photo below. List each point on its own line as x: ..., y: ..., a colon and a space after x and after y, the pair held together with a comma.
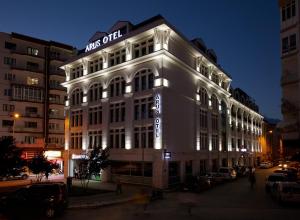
x: 104, y: 40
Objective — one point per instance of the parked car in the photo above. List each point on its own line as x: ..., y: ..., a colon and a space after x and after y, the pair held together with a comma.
x: 266, y: 165
x: 227, y: 172
x: 48, y: 199
x: 291, y: 173
x: 273, y: 178
x: 196, y: 183
x: 287, y: 192
x: 215, y: 178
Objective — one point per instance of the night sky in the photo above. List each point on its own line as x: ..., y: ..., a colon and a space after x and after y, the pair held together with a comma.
x: 243, y: 33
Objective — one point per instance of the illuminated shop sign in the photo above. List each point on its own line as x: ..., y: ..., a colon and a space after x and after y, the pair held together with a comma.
x: 104, y: 40
x: 157, y: 115
x: 79, y: 156
x: 157, y: 121
x: 52, y: 154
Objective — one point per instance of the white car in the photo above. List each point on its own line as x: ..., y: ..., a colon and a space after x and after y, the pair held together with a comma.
x: 273, y: 178
x: 287, y: 192
x: 266, y: 165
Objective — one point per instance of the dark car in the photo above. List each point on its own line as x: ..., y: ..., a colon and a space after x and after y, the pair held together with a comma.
x: 48, y: 199
x: 196, y: 183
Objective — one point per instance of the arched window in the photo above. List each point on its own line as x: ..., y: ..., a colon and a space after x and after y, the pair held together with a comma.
x: 95, y: 92
x: 117, y: 87
x: 76, y: 98
x: 203, y: 97
x: 143, y: 80
x: 214, y: 102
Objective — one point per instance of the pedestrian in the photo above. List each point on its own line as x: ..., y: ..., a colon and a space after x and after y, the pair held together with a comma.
x: 252, y: 179
x: 118, y: 186
x: 75, y: 173
x: 47, y: 175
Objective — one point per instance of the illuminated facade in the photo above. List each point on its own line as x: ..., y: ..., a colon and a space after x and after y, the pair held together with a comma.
x: 159, y: 102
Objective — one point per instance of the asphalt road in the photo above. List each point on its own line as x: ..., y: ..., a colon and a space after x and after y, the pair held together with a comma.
x: 235, y: 200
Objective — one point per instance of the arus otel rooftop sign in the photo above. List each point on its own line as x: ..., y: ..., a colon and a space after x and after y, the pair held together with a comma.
x: 104, y: 40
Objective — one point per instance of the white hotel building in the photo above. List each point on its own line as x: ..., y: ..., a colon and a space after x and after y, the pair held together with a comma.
x: 161, y: 104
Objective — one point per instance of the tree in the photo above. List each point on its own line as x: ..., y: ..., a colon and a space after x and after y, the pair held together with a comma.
x: 95, y: 161
x: 40, y: 166
x: 11, y: 160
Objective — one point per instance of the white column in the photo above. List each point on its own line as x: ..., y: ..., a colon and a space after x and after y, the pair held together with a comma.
x: 128, y: 46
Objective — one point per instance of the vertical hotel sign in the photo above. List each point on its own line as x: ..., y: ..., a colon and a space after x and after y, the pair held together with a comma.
x: 157, y: 122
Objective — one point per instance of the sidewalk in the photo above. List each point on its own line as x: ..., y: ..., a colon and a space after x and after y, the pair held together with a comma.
x: 92, y: 201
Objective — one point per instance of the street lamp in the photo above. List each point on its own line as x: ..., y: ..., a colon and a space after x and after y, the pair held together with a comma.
x: 15, y: 116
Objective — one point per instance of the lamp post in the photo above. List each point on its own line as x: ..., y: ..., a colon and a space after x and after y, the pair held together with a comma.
x: 15, y: 116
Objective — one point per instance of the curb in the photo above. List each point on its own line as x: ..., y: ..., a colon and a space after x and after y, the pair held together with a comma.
x: 100, y: 204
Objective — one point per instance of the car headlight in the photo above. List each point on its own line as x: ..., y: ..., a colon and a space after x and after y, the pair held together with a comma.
x: 285, y: 165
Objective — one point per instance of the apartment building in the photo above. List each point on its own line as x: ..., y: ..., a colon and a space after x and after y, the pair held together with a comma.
x: 31, y: 97
x: 290, y: 75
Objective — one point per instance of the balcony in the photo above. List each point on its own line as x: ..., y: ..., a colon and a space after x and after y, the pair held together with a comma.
x: 29, y: 69
x: 25, y: 53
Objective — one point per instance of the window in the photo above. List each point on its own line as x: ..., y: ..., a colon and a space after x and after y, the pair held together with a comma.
x: 117, y: 138
x: 9, y: 61
x: 8, y: 108
x: 203, y: 165
x: 76, y: 140
x: 32, y: 66
x: 29, y: 139
x: 143, y: 48
x: 117, y: 112
x: 214, y: 103
x: 96, y: 65
x: 76, y: 118
x: 214, y: 121
x: 7, y: 92
x: 32, y: 51
x: 203, y: 97
x: 54, y: 113
x: 143, y: 108
x: 7, y: 123
x: 76, y: 72
x: 55, y: 84
x: 215, y: 141
x: 289, y: 10
x: 76, y: 98
x: 95, y: 92
x: 31, y: 110
x: 55, y: 55
x: 215, y: 78
x: 117, y: 87
x: 53, y: 126
x: 117, y: 57
x: 203, y: 141
x: 203, y: 119
x: 55, y: 140
x: 143, y: 137
x: 54, y: 99
x: 32, y: 81
x: 143, y: 80
x: 204, y: 70
x: 289, y: 43
x: 30, y: 124
x: 27, y: 93
x: 95, y: 115
x: 95, y: 139
x: 10, y: 46
x: 9, y: 76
